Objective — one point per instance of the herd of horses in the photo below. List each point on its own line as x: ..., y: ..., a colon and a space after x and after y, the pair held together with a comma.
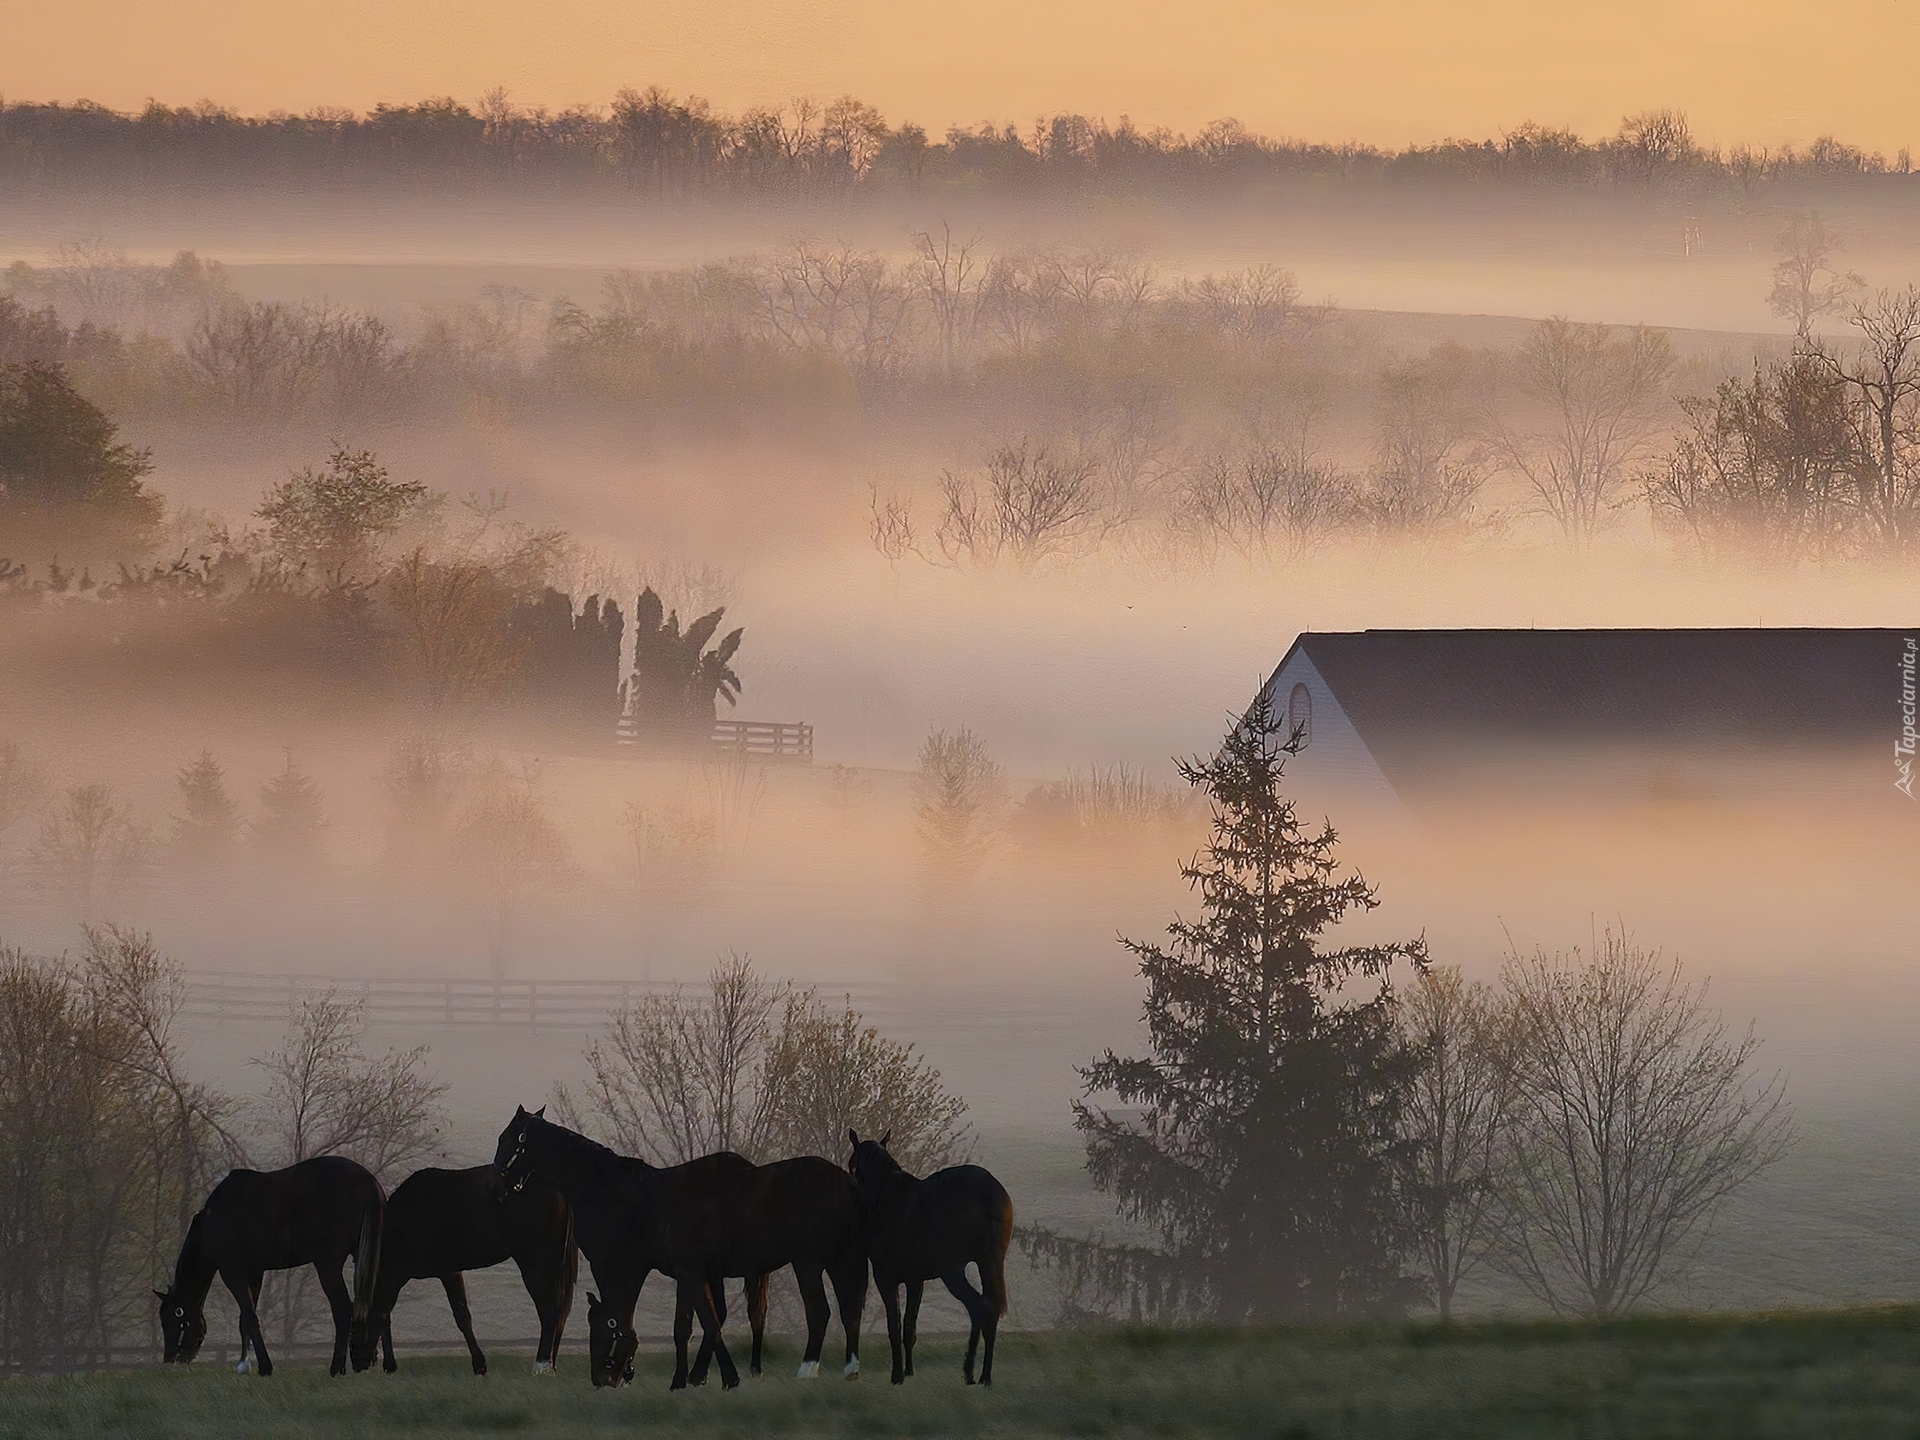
x: 551, y: 1194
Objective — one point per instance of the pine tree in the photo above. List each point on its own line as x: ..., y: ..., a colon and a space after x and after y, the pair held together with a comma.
x: 1261, y: 1136
x: 209, y: 831
x: 290, y: 833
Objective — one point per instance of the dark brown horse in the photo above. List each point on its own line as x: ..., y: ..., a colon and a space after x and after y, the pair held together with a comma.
x: 315, y: 1213
x: 920, y: 1230
x: 700, y: 1223
x: 443, y: 1222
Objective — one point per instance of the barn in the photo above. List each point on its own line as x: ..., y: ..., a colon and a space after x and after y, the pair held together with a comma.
x: 1395, y: 716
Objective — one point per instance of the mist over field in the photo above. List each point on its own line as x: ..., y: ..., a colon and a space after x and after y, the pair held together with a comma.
x: 1215, y: 418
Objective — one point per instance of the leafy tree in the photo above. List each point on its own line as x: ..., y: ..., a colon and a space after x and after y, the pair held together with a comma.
x: 1261, y: 1137
x: 66, y: 479
x: 290, y: 833
x: 210, y: 830
x: 678, y: 682
x: 333, y: 518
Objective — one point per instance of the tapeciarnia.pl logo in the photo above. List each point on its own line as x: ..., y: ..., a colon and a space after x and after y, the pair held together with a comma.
x: 1903, y: 748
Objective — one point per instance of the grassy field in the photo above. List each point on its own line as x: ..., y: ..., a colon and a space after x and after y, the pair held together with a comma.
x: 1826, y: 1374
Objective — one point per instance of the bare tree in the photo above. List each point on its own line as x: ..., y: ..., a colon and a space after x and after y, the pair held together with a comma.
x: 960, y: 793
x: 1635, y: 1115
x: 674, y: 1076
x: 89, y: 844
x: 1456, y: 1117
x: 1029, y: 504
x: 1807, y: 283
x: 1594, y: 400
x: 22, y: 785
x: 1270, y: 501
x: 948, y: 275
x: 1423, y: 478
x: 1884, y: 377
x: 762, y: 1069
x: 325, y: 1095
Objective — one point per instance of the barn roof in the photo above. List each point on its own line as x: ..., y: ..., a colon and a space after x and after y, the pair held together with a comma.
x: 1414, y: 693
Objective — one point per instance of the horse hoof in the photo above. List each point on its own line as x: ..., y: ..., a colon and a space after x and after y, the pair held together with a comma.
x: 809, y: 1370
x: 543, y: 1367
x: 733, y: 1384
x: 852, y: 1372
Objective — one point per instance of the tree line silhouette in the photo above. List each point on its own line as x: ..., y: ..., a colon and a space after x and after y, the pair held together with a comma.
x: 654, y: 144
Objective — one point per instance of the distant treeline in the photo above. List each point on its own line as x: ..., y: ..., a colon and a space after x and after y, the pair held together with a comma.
x: 656, y: 144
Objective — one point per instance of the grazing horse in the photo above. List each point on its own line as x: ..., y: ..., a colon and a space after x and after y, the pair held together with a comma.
x: 443, y: 1222
x: 920, y: 1230
x: 612, y: 1344
x: 700, y: 1223
x: 315, y: 1213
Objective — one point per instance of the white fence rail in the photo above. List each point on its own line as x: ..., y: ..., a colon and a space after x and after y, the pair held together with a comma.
x: 560, y: 1004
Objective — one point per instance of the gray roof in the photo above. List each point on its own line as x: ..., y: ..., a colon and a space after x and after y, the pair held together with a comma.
x: 1415, y: 694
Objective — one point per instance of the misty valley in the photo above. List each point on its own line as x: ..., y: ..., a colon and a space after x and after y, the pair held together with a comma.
x: 1337, y: 722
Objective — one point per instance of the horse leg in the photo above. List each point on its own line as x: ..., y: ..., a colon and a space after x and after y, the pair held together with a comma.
x: 244, y: 1286
x: 710, y: 1323
x: 703, y: 1357
x: 341, y: 1301
x: 850, y: 1294
x: 813, y: 1296
x: 910, y: 1330
x: 757, y: 1287
x: 542, y: 1289
x: 456, y: 1288
x: 254, y: 1279
x: 682, y: 1330
x: 387, y: 1362
x: 981, y: 1320
x: 890, y: 1302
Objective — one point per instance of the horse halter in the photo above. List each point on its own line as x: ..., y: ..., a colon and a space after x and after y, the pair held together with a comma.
x: 519, y: 1183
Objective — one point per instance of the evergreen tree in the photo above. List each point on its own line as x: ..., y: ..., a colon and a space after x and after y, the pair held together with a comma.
x: 210, y: 829
x: 290, y: 833
x: 1261, y: 1136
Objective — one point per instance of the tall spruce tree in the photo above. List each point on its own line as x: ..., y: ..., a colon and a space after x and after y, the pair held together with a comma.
x: 1261, y: 1136
x: 210, y: 830
x: 290, y: 833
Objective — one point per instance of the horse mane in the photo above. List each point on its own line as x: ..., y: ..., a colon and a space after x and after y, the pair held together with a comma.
x: 605, y: 1162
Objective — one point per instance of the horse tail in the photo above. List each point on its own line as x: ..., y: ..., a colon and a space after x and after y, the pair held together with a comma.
x: 993, y: 1273
x: 366, y: 1256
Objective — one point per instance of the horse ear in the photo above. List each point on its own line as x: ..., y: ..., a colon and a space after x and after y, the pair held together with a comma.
x: 540, y: 1114
x: 161, y: 1293
x: 853, y: 1135
x: 592, y: 1299
x: 886, y: 1137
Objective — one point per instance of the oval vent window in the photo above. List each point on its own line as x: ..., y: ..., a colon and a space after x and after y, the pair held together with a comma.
x: 1300, y: 714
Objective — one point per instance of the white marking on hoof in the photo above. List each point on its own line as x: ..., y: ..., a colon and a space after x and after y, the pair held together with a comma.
x: 243, y: 1367
x: 809, y: 1370
x: 543, y: 1367
x: 852, y: 1372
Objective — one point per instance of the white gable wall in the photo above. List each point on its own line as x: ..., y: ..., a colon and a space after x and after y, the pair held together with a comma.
x: 1336, y: 766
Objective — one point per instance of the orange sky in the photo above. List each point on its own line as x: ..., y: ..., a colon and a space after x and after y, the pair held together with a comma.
x: 1387, y: 71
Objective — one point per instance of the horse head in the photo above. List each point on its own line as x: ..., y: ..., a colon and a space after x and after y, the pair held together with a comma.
x: 513, y: 1156
x: 610, y: 1345
x: 871, y: 1161
x: 183, y: 1326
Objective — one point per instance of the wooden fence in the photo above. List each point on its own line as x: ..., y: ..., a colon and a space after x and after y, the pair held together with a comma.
x: 758, y: 739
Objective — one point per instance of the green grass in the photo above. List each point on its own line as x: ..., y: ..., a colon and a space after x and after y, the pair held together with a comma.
x: 1825, y: 1374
